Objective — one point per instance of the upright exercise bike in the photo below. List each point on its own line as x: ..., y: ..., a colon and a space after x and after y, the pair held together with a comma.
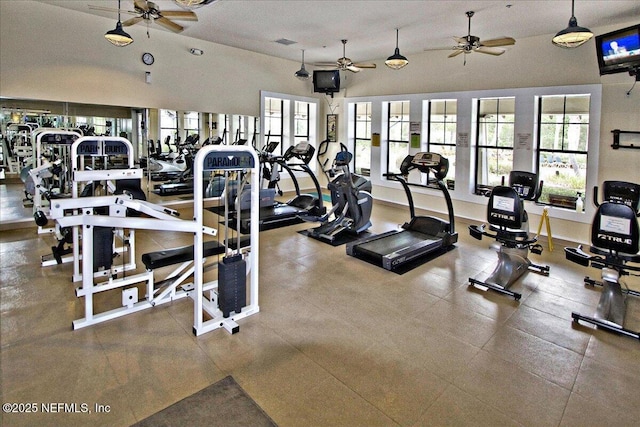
x: 615, y: 243
x: 509, y: 225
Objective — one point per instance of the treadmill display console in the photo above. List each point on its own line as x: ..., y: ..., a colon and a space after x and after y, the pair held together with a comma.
x: 426, y: 159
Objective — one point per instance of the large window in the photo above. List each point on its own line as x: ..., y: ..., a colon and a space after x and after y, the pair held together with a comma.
x: 301, y: 122
x: 442, y: 120
x: 563, y: 137
x: 273, y: 120
x: 398, y: 131
x: 362, y: 137
x: 495, y: 134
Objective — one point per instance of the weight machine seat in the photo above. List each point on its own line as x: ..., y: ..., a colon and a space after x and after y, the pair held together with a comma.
x: 167, y: 257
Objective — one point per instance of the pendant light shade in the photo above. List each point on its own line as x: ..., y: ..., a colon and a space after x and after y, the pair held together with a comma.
x: 573, y: 35
x: 193, y: 4
x: 117, y: 36
x: 189, y: 3
x: 396, y: 61
x: 302, y: 73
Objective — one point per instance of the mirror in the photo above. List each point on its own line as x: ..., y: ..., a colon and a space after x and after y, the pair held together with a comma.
x: 158, y: 131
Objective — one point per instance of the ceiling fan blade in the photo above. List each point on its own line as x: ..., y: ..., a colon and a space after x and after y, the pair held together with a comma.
x: 107, y: 9
x: 141, y: 4
x: 456, y: 53
x: 505, y: 41
x: 132, y: 21
x: 352, y: 68
x: 183, y: 15
x: 169, y: 24
x: 490, y: 50
x: 460, y: 40
x: 364, y: 65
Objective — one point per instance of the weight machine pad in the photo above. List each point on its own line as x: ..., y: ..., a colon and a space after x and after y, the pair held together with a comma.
x: 167, y: 257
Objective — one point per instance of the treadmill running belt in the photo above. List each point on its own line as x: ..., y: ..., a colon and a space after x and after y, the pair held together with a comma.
x: 394, y: 242
x: 398, y: 252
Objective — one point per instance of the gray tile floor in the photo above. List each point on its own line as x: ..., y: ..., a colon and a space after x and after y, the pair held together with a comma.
x: 337, y: 342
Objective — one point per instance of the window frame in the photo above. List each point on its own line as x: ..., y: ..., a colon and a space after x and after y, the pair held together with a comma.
x: 402, y: 123
x: 357, y: 138
x: 480, y: 188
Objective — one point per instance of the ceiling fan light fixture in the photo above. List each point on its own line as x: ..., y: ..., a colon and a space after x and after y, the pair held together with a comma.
x: 117, y: 36
x: 189, y: 3
x: 302, y: 73
x: 193, y: 4
x: 396, y: 61
x: 574, y: 35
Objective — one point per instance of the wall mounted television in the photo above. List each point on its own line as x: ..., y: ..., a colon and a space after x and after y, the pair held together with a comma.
x: 326, y: 81
x: 619, y: 51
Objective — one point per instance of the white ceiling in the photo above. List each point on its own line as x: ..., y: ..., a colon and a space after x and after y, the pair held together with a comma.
x: 369, y: 25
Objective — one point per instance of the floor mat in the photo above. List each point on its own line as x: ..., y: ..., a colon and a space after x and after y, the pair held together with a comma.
x: 223, y: 404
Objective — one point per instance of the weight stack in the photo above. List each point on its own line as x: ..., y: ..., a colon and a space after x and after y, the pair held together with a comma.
x: 232, y: 284
x: 102, y: 248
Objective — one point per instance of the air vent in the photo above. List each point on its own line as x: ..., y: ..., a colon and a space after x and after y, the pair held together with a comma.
x: 285, y: 42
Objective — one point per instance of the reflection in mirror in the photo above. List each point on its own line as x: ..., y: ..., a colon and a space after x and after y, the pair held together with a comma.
x: 147, y: 129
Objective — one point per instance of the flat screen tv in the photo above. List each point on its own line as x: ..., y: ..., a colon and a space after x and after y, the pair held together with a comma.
x: 326, y: 81
x: 619, y: 51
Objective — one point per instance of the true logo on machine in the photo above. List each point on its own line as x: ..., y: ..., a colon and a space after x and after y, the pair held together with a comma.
x: 615, y: 239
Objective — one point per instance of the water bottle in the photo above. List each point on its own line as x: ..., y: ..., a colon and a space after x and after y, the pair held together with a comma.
x: 579, y: 203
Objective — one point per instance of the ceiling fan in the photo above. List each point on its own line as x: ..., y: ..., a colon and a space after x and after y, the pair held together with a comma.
x: 150, y: 12
x: 471, y: 43
x: 345, y: 63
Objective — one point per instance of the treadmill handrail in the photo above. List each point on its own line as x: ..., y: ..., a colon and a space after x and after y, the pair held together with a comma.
x: 441, y: 186
x: 400, y: 178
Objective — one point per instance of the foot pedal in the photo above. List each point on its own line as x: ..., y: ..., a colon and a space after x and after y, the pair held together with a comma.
x: 536, y: 249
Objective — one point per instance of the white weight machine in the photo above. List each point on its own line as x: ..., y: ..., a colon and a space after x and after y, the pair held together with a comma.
x: 207, y: 297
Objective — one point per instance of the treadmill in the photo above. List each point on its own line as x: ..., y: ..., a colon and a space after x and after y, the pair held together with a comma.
x: 279, y: 214
x: 423, y: 237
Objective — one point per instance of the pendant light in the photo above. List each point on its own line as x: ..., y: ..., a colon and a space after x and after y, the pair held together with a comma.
x: 118, y: 37
x: 302, y: 73
x: 573, y: 35
x: 396, y: 61
x: 193, y: 4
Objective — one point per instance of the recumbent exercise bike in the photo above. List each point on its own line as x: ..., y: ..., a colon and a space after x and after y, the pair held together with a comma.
x: 509, y: 225
x: 615, y: 242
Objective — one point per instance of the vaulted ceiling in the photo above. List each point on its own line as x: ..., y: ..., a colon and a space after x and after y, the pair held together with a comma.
x: 317, y: 26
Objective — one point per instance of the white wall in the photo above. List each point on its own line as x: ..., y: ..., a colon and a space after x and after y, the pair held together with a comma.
x: 51, y: 53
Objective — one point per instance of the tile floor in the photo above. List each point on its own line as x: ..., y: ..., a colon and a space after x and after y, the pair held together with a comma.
x: 337, y: 342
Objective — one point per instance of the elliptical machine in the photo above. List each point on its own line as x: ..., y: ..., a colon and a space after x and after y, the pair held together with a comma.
x: 351, y: 201
x: 509, y: 225
x: 615, y: 242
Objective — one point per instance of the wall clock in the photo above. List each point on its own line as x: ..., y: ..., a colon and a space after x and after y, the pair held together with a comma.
x: 147, y: 58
